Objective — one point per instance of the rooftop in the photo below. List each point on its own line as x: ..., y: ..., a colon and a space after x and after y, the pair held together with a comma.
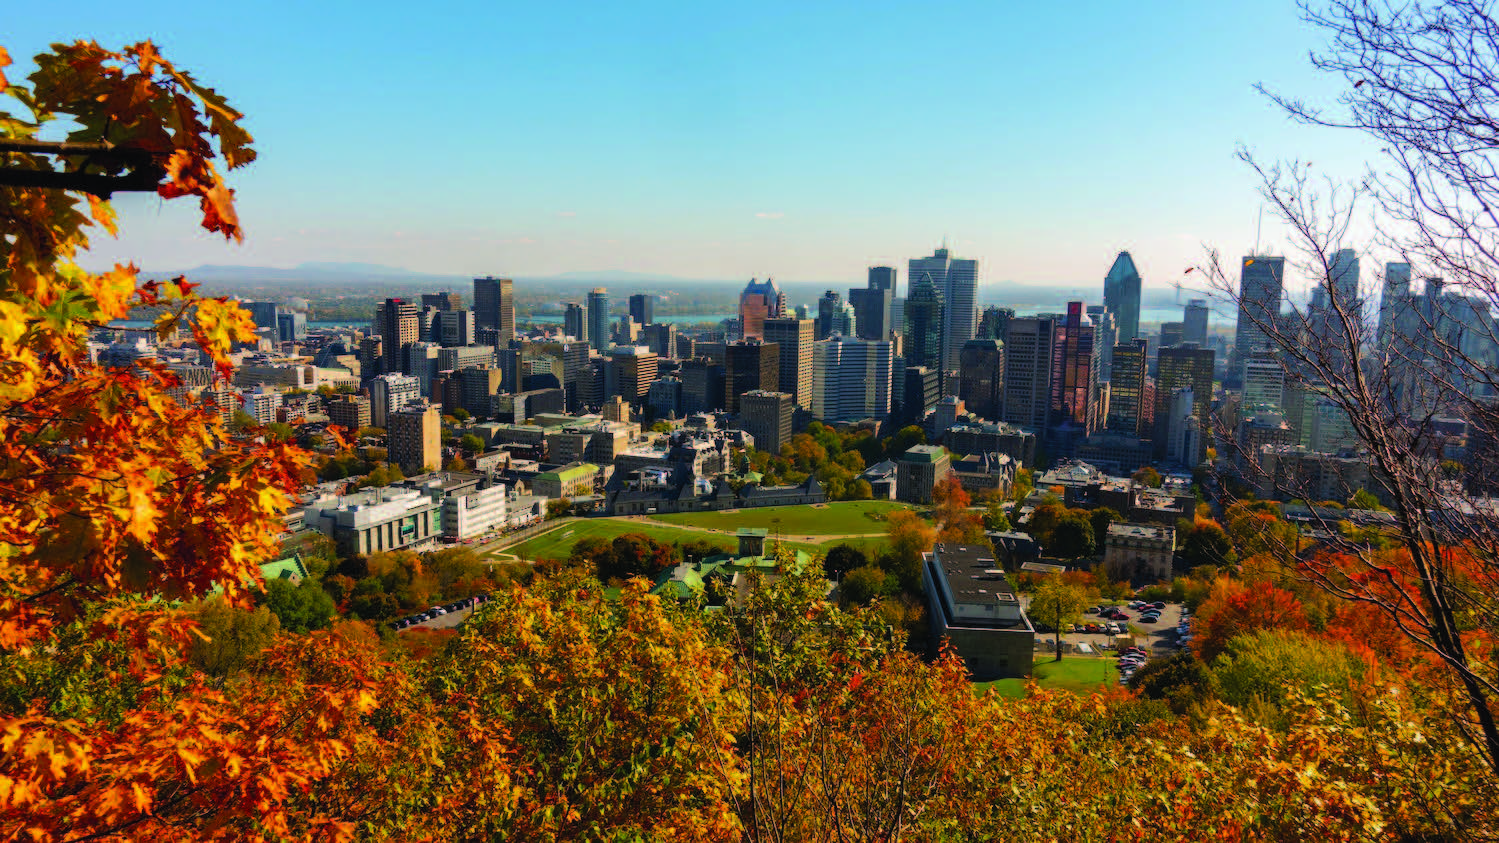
x: 973, y: 574
x: 923, y: 453
x: 1142, y: 531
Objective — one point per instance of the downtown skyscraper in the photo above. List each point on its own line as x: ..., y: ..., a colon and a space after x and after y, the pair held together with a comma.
x: 1261, y: 285
x: 957, y: 281
x: 1121, y: 295
x: 598, y: 318
x: 494, y: 307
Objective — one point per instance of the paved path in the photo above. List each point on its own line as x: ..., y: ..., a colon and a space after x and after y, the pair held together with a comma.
x: 820, y: 538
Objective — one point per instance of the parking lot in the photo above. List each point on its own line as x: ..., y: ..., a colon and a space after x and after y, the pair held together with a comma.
x: 1159, y: 638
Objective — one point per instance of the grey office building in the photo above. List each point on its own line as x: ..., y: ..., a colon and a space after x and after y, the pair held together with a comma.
x: 598, y: 319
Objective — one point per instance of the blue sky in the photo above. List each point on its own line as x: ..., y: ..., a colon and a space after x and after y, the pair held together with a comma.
x: 804, y: 140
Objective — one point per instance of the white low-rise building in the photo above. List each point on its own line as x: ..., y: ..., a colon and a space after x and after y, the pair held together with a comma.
x: 476, y: 512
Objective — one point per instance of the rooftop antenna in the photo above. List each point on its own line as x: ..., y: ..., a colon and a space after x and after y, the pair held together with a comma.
x: 1257, y: 225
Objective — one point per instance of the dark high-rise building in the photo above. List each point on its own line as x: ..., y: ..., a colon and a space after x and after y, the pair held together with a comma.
x: 291, y: 325
x: 766, y: 415
x: 494, y: 306
x: 702, y: 386
x: 1171, y: 334
x: 661, y: 338
x: 829, y: 307
x: 794, y: 336
x: 758, y: 302
x: 1195, y: 322
x: 1127, y: 410
x: 598, y: 318
x: 1180, y: 367
x: 574, y: 371
x: 981, y: 377
x: 994, y: 322
x: 642, y: 308
x: 455, y: 327
x: 1261, y: 284
x: 924, y: 340
x: 749, y: 364
x: 265, y: 314
x: 1121, y: 295
x: 919, y: 393
x: 1030, y: 354
x: 872, y: 305
x: 1074, y: 403
x: 400, y: 326
x: 871, y: 313
x: 574, y: 322
x: 882, y: 278
x: 442, y: 301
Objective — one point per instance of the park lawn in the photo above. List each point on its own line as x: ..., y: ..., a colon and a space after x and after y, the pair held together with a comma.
x: 1077, y: 674
x: 838, y: 518
x: 558, y: 543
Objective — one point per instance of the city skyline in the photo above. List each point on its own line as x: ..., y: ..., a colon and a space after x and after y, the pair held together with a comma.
x: 734, y: 151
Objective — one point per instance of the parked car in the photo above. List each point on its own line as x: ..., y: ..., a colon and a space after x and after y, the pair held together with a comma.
x: 1149, y: 618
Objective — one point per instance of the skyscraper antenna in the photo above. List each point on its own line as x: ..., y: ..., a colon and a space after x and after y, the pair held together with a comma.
x: 1257, y: 225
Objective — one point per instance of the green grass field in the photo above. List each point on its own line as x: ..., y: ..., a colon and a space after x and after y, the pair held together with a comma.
x: 1079, y: 675
x: 558, y: 543
x: 834, y: 519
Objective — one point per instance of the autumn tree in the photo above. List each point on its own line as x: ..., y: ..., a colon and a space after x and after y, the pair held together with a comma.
x: 1206, y: 543
x: 1236, y: 609
x: 1418, y: 80
x: 122, y: 501
x: 1072, y: 536
x: 1056, y: 603
x: 956, y: 523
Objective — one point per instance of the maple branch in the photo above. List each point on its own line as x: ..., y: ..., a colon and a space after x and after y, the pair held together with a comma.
x: 144, y: 179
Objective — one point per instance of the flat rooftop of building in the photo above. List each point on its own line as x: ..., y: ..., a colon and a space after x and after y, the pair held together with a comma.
x: 923, y: 453
x: 1142, y: 531
x: 973, y: 574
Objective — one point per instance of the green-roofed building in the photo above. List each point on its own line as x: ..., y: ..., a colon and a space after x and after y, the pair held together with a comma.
x: 567, y: 482
x: 687, y: 580
x: 918, y: 470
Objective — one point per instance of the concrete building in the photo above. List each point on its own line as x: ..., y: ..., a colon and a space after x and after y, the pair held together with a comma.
x: 991, y: 473
x: 973, y: 606
x: 665, y: 397
x: 570, y: 481
x: 261, y: 404
x: 636, y: 368
x: 349, y: 411
x: 766, y: 416
x: 1006, y: 439
x: 376, y: 519
x: 1030, y: 355
x: 795, y: 339
x: 661, y: 339
x: 414, y: 436
x: 389, y: 392
x: 399, y: 323
x: 918, y: 470
x: 474, y: 512
x: 851, y: 380
x: 1139, y: 551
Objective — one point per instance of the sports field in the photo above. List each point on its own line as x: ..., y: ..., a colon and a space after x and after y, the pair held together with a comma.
x: 1079, y: 675
x: 558, y: 543
x: 841, y: 518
